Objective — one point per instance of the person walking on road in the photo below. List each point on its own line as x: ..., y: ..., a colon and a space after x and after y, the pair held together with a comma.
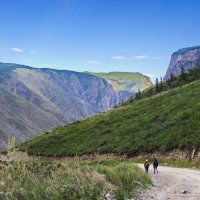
x: 146, y: 166
x: 155, y: 165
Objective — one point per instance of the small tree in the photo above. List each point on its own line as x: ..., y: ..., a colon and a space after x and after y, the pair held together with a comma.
x: 182, y: 76
x: 139, y: 94
x: 161, y: 84
x: 151, y: 91
x: 136, y: 95
x: 171, y: 77
x: 157, y: 85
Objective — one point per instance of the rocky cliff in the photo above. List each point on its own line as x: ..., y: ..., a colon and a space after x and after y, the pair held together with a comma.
x: 187, y: 57
x: 34, y: 100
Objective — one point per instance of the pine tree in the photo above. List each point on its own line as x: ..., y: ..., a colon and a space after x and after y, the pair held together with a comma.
x: 157, y: 85
x: 169, y: 82
x: 139, y: 94
x: 136, y: 95
x: 161, y: 84
x: 171, y: 77
x: 182, y: 76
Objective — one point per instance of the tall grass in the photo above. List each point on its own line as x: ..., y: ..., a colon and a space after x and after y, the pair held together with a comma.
x: 39, y: 179
x: 123, y: 174
x: 48, y: 180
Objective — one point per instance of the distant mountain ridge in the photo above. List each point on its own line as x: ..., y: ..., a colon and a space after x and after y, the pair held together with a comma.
x: 189, y: 58
x: 125, y: 81
x: 34, y: 100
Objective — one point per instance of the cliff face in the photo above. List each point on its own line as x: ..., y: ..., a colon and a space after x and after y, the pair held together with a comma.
x: 187, y: 57
x: 33, y: 100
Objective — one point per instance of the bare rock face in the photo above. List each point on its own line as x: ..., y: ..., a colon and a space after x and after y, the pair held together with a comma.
x: 189, y: 58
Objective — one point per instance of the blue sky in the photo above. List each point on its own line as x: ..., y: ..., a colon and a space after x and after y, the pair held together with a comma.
x: 98, y: 35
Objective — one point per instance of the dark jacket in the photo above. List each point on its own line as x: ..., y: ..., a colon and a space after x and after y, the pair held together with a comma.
x: 155, y: 163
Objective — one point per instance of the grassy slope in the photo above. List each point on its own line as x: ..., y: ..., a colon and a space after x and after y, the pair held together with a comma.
x: 162, y: 122
x: 177, y: 81
x: 125, y: 81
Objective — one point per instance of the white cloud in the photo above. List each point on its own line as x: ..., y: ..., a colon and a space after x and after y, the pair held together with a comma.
x: 137, y: 57
x: 18, y: 50
x: 140, y: 57
x: 118, y: 58
x: 93, y: 62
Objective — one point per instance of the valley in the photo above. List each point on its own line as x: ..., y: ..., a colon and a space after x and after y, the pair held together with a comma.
x: 34, y: 100
x: 95, y: 95
x: 103, y: 132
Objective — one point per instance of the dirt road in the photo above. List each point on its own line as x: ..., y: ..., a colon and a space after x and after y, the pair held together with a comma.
x: 174, y: 184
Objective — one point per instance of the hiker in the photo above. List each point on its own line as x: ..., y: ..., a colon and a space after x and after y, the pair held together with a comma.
x: 155, y: 165
x: 146, y: 166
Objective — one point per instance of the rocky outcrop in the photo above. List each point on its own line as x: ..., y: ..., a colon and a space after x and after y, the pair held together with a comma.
x: 33, y: 100
x: 189, y: 58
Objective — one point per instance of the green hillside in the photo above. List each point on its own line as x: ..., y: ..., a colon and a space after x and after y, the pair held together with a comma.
x: 186, y: 77
x: 162, y: 122
x: 125, y: 81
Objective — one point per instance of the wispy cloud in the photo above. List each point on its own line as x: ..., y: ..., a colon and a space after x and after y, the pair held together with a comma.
x: 140, y: 57
x: 18, y: 50
x: 137, y: 57
x: 118, y: 57
x: 93, y: 62
x: 32, y: 51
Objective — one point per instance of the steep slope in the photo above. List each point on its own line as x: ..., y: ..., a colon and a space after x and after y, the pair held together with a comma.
x: 163, y: 122
x: 126, y: 83
x: 21, y: 118
x: 189, y: 58
x: 35, y: 100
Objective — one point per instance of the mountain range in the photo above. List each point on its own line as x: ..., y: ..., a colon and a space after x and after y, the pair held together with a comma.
x: 34, y: 100
x: 165, y: 121
x: 162, y: 118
